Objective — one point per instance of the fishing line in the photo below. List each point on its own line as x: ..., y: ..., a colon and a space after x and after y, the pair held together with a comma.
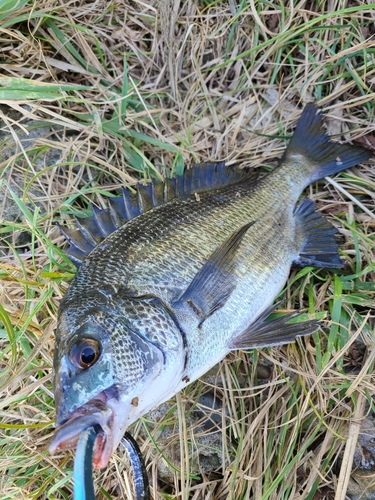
x: 83, y: 479
x: 83, y: 482
x: 141, y: 485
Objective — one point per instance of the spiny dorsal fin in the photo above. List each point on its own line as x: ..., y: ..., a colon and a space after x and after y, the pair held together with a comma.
x: 93, y: 230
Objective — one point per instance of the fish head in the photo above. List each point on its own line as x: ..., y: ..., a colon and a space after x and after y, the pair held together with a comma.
x: 112, y: 365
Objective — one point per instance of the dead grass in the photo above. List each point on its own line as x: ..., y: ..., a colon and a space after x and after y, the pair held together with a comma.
x: 126, y: 90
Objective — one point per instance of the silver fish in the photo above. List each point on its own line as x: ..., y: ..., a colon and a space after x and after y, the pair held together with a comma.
x: 174, y: 277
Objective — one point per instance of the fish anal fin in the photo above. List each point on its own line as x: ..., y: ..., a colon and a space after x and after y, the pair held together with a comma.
x: 275, y: 332
x: 318, y: 236
x: 215, y: 281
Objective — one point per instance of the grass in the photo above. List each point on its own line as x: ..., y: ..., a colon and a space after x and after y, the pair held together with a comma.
x: 96, y: 95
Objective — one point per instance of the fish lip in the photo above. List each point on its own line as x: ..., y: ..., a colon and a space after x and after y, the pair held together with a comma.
x: 94, y: 413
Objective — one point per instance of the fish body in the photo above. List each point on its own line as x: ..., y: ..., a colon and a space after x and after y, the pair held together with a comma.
x: 160, y: 299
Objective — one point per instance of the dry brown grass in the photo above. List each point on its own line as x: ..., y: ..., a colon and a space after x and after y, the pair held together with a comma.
x: 204, y: 81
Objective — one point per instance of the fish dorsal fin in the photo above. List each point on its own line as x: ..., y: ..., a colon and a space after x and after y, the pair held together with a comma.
x: 91, y: 231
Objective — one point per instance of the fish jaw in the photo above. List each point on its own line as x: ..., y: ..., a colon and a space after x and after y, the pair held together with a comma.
x: 95, y: 413
x: 108, y: 414
x: 114, y: 416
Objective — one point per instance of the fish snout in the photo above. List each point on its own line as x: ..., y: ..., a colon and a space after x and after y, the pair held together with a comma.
x: 95, y: 414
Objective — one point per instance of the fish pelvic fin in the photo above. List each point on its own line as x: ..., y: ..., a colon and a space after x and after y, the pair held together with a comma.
x: 279, y: 331
x: 215, y: 281
x: 311, y: 146
x: 91, y: 231
x: 319, y: 243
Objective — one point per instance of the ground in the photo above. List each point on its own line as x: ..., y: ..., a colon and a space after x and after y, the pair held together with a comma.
x: 97, y: 95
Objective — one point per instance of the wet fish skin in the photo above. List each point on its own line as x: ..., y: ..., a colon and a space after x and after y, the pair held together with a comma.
x: 172, y: 291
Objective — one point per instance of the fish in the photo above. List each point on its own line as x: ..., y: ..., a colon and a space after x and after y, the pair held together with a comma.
x: 174, y: 276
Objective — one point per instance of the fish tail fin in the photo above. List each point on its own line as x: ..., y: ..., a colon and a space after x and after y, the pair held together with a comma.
x: 311, y: 145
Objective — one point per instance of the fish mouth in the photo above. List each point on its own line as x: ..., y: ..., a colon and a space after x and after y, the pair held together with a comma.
x: 95, y: 413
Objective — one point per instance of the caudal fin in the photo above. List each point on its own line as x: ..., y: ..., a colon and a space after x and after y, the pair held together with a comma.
x: 325, y: 157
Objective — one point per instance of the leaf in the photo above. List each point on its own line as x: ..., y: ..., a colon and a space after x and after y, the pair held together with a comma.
x: 7, y: 7
x: 12, y: 88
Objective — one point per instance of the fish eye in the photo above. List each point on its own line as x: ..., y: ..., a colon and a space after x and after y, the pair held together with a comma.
x: 85, y: 353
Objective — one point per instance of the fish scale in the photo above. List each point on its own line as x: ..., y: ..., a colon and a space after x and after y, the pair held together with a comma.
x: 176, y: 254
x: 191, y: 276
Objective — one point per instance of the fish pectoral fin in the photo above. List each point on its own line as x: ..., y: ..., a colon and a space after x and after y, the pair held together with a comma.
x: 275, y: 332
x: 319, y: 245
x: 216, y: 280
